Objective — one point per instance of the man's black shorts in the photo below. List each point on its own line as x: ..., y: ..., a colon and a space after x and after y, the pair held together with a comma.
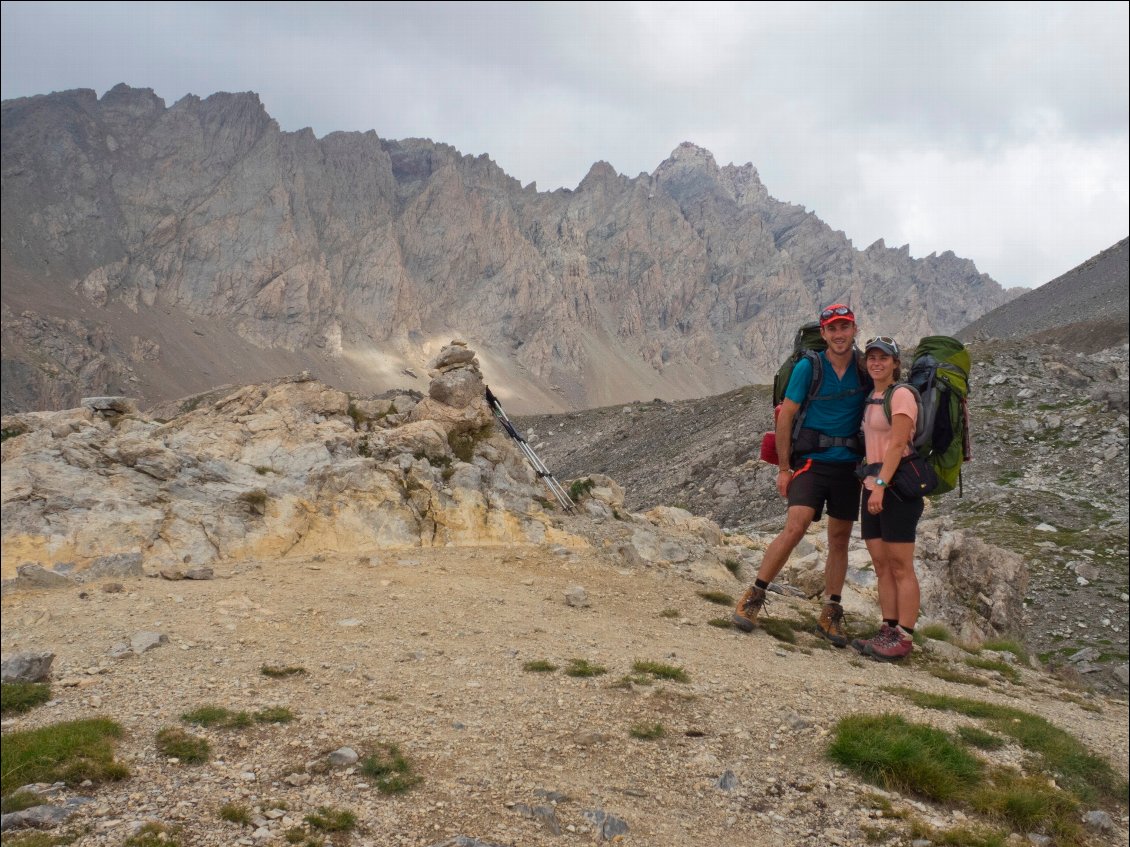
x: 896, y: 523
x: 833, y: 483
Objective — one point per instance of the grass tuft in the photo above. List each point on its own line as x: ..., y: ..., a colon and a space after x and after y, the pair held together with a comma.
x: 951, y: 675
x: 279, y: 673
x: 977, y: 737
x: 661, y: 671
x: 935, y: 632
x: 647, y: 731
x: 539, y: 666
x: 669, y: 613
x: 1086, y: 775
x: 1003, y: 668
x: 235, y: 813
x: 69, y: 752
x: 391, y: 771
x: 273, y: 714
x: 328, y: 819
x: 780, y: 629
x: 733, y: 566
x: 153, y: 835
x: 175, y: 743
x: 583, y: 668
x: 19, y: 697
x: 21, y: 800
x: 897, y: 755
x: 721, y: 623
x: 719, y: 597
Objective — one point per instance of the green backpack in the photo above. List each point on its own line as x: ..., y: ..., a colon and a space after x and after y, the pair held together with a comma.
x: 939, y: 375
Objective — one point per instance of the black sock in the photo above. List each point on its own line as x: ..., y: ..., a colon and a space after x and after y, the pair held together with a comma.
x: 835, y: 598
x: 909, y: 630
x: 891, y: 622
x: 760, y: 583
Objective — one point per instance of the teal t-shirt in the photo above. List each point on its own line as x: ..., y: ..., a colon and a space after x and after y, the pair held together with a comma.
x: 836, y: 411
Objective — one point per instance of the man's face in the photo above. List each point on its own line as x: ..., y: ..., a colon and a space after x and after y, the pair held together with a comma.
x: 839, y: 335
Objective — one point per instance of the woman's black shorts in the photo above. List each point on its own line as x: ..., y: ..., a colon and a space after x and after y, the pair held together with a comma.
x: 897, y: 523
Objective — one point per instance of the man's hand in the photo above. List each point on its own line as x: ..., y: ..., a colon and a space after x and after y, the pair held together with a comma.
x: 783, y: 480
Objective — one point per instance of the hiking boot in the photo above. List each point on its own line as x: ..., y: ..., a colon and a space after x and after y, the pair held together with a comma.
x: 745, y: 615
x: 897, y: 645
x: 831, y: 624
x: 863, y: 645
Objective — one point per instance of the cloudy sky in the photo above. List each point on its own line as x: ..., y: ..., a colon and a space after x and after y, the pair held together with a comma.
x: 996, y: 130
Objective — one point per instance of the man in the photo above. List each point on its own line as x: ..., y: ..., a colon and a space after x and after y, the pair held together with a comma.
x: 818, y: 471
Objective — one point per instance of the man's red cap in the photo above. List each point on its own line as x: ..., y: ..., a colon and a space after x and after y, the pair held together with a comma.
x: 836, y: 312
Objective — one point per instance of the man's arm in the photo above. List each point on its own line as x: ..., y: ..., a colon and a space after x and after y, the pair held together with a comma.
x: 785, y: 420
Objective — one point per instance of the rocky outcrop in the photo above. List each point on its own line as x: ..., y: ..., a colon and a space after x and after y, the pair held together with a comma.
x: 124, y: 221
x: 260, y: 471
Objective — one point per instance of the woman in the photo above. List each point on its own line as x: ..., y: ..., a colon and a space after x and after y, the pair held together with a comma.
x: 888, y: 522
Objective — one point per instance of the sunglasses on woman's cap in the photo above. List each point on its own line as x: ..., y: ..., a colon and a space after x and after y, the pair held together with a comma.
x: 836, y: 312
x: 882, y: 342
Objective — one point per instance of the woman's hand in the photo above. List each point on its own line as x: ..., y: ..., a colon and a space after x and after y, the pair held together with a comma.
x: 875, y: 501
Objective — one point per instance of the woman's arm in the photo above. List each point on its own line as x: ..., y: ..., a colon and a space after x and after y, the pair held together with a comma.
x: 901, y: 426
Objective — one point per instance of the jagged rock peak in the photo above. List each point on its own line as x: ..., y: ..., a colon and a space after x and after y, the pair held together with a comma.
x: 687, y: 156
x: 599, y: 172
x: 136, y: 101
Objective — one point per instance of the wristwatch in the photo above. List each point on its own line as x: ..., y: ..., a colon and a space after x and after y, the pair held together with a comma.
x: 879, y: 483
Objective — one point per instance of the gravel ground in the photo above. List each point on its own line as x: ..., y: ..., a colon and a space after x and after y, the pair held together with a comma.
x: 425, y: 649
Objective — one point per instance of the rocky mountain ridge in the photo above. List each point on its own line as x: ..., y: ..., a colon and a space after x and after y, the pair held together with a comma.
x: 1085, y: 309
x: 159, y: 251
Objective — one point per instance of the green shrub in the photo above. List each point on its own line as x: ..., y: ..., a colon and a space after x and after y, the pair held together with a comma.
x: 580, y: 487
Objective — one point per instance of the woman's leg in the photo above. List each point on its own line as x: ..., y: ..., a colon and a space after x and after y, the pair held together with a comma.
x: 900, y: 561
x: 884, y: 574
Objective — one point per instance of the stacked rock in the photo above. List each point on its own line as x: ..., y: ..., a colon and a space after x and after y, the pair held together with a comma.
x: 456, y: 393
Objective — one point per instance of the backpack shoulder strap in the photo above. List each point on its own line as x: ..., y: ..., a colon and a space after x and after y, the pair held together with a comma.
x: 889, y: 393
x: 817, y: 364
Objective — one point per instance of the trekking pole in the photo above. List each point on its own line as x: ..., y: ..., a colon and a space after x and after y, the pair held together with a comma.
x: 539, y: 467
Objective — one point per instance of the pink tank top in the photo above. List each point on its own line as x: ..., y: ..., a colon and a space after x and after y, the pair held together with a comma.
x: 876, y: 430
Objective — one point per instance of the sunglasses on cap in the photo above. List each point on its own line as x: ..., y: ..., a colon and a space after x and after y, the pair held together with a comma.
x: 832, y: 312
x: 884, y: 343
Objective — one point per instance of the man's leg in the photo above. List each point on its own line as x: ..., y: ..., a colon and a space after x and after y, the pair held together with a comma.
x: 797, y: 521
x: 835, y: 568
x: 831, y: 623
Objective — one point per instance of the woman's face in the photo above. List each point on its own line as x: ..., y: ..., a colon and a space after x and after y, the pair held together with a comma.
x: 881, y: 365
